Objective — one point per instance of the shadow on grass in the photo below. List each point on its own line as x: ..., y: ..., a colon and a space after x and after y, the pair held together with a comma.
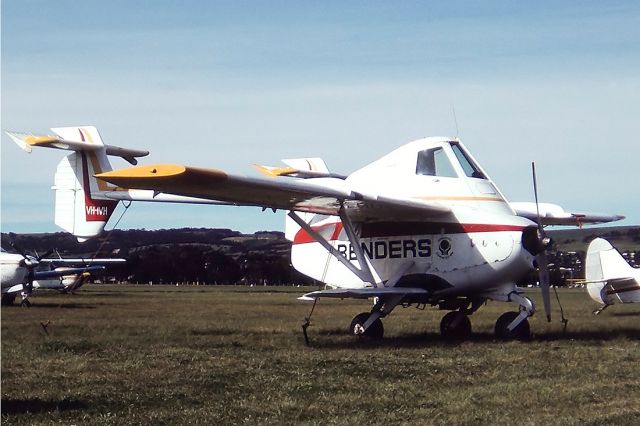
x: 63, y: 305
x: 618, y: 333
x: 331, y: 340
x: 625, y: 314
x: 22, y: 406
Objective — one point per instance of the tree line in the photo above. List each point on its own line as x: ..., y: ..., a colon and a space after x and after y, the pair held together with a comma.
x: 224, y: 256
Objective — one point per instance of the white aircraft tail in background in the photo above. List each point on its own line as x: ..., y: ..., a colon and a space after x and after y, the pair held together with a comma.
x: 610, y: 279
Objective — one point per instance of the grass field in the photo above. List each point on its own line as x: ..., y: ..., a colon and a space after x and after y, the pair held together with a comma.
x: 236, y: 355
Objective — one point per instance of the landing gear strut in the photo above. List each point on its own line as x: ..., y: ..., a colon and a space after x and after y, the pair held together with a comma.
x: 514, y: 325
x: 600, y: 309
x: 519, y: 332
x: 25, y: 300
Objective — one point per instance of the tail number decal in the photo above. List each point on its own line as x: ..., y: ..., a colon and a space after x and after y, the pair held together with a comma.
x: 98, y: 210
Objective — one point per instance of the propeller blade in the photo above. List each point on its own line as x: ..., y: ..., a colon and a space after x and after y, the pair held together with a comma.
x: 28, y: 286
x: 543, y: 276
x: 535, y: 194
x: 541, y: 258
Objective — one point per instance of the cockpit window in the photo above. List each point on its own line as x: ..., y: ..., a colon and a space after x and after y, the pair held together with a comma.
x: 470, y: 169
x: 434, y: 162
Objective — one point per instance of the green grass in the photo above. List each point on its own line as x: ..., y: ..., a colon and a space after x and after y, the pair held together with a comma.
x: 236, y: 355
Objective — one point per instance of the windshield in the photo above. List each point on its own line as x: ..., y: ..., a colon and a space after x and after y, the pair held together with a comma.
x: 470, y: 169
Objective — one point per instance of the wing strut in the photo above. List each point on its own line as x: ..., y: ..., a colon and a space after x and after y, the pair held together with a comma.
x: 364, y: 272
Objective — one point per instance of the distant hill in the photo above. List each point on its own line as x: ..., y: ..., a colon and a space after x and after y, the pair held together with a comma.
x: 216, y: 256
x: 624, y: 238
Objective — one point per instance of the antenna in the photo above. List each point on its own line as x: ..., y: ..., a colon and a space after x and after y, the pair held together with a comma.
x: 455, y: 119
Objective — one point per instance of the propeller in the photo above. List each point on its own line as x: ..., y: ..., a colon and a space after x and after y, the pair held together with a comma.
x: 31, y: 263
x: 541, y: 258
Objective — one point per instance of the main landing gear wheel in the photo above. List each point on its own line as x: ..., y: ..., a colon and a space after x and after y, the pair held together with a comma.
x: 455, y: 326
x: 8, y: 299
x: 375, y: 330
x: 521, y: 332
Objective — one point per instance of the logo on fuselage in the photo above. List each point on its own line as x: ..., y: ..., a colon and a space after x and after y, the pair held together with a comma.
x: 389, y: 249
x: 445, y: 249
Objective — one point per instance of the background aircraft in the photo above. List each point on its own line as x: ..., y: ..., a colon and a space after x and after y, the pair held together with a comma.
x: 23, y: 273
x: 423, y: 225
x: 609, y: 278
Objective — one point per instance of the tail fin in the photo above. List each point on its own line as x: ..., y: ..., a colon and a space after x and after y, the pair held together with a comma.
x: 80, y: 209
x: 605, y: 267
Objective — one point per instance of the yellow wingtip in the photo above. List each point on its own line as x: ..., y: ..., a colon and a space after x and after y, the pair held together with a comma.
x: 146, y: 171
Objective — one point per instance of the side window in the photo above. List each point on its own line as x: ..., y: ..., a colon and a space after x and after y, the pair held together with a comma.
x: 434, y: 162
x: 470, y: 169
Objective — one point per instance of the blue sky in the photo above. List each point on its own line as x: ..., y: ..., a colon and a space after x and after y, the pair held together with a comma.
x: 229, y: 84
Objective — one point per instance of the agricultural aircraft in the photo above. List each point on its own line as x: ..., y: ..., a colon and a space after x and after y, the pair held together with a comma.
x: 423, y: 225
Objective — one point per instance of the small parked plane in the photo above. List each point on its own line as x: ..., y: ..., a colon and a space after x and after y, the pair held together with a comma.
x: 609, y: 278
x: 23, y: 273
x: 423, y: 225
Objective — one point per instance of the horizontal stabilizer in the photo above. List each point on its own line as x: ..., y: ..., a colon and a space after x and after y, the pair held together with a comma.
x: 304, y: 168
x: 27, y: 141
x: 84, y: 139
x: 307, y: 164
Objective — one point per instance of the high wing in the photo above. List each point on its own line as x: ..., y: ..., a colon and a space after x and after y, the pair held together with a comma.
x: 553, y: 214
x: 43, y: 275
x: 317, y: 195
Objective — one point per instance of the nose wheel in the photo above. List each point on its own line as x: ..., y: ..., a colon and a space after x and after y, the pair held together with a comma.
x: 520, y: 332
x: 374, y: 331
x: 455, y: 326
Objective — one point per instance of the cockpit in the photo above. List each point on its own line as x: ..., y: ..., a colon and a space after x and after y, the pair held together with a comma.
x: 441, y: 161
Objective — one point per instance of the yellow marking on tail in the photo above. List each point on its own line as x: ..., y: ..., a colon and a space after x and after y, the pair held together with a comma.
x: 275, y: 171
x: 34, y: 140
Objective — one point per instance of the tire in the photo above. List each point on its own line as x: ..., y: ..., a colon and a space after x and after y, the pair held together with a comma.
x: 375, y: 330
x: 521, y: 332
x: 8, y: 299
x: 462, y: 329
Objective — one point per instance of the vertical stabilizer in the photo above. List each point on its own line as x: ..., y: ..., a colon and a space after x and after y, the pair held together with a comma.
x: 605, y: 272
x: 79, y: 208
x: 81, y: 205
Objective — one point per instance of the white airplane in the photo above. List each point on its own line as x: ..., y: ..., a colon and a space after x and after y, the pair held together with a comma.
x: 423, y: 225
x: 609, y: 278
x: 22, y: 273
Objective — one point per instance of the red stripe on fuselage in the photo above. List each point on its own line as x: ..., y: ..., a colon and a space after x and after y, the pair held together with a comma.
x: 400, y: 229
x: 303, y: 237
